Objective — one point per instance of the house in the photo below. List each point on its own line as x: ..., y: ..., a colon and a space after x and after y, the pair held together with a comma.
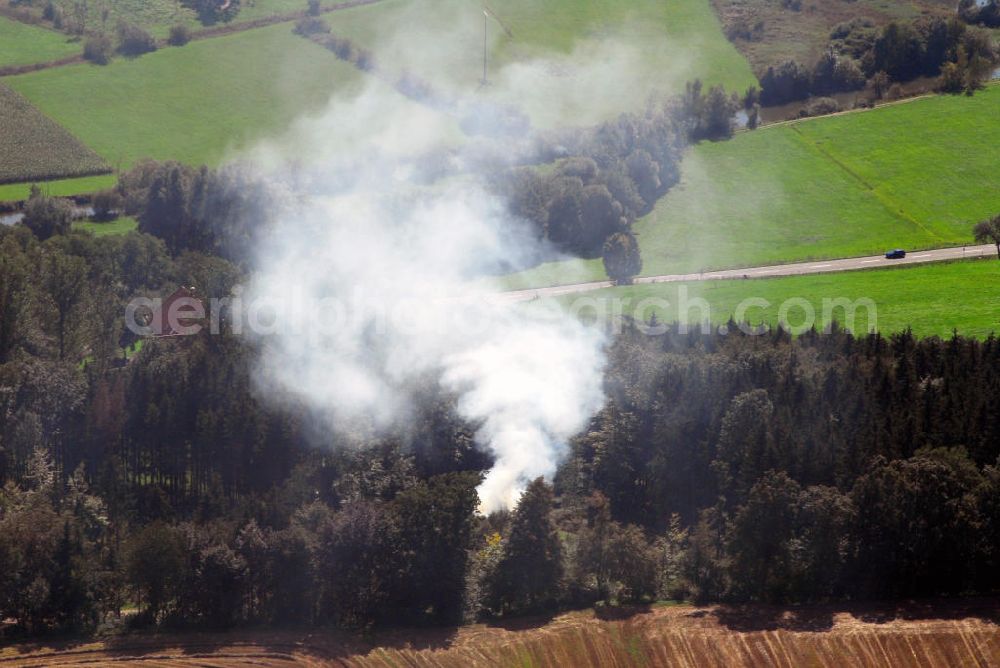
x: 180, y: 314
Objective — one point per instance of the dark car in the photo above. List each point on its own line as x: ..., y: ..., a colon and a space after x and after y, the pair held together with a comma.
x: 897, y: 254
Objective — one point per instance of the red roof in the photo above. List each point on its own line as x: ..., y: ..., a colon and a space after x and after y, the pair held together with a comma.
x: 180, y: 314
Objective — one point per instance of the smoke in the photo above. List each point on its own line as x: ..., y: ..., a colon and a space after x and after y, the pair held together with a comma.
x: 374, y: 280
x: 379, y: 274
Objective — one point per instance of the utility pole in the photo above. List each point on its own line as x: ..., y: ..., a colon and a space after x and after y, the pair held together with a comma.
x: 486, y: 33
x: 487, y: 15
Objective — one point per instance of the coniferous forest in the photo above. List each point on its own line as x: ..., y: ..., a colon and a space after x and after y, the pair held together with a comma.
x: 152, y: 482
x: 722, y: 468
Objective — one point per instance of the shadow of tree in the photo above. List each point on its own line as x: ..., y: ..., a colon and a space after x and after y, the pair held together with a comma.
x: 617, y: 613
x: 821, y: 617
x: 760, y: 617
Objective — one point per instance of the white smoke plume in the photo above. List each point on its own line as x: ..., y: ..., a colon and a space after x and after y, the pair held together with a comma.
x: 380, y: 275
x: 378, y: 282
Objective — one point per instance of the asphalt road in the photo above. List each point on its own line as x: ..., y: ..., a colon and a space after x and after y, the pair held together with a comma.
x: 796, y: 269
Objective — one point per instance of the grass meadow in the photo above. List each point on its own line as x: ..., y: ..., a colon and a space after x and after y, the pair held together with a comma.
x: 195, y: 103
x: 932, y: 300
x: 157, y: 16
x: 580, y: 42
x: 122, y: 225
x: 203, y: 102
x: 908, y: 175
x: 22, y: 44
x: 13, y: 192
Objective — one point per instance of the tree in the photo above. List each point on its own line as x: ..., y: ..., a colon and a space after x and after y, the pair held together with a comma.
x: 212, y: 11
x: 645, y: 172
x: 98, y: 49
x: 435, y: 520
x: 155, y: 566
x: 988, y: 231
x: 622, y: 261
x: 618, y: 559
x: 719, y: 109
x: 898, y: 51
x: 822, y: 543
x: 65, y: 283
x: 785, y: 83
x: 107, y: 205
x: 528, y: 575
x: 134, y: 41
x: 313, y: 7
x: 746, y: 445
x: 179, y: 35
x: 564, y: 211
x: 358, y: 563
x: 879, y: 84
x: 213, y: 592
x: 952, y: 79
x: 47, y: 216
x: 762, y: 538
x: 916, y: 528
x: 17, y: 295
x: 601, y: 216
x: 671, y: 551
x: 311, y: 25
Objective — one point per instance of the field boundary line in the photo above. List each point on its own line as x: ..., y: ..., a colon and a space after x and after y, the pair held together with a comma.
x: 887, y: 203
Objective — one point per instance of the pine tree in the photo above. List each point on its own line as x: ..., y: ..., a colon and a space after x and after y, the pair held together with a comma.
x: 529, y: 575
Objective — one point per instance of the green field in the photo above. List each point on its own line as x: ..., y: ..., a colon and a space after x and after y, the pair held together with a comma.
x: 32, y: 146
x: 913, y: 175
x: 204, y: 102
x: 121, y: 225
x: 22, y: 44
x: 158, y: 16
x: 932, y: 299
x: 194, y: 104
x: 660, y: 44
x: 13, y: 192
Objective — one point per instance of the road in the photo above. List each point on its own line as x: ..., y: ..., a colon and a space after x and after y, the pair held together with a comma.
x: 772, y: 271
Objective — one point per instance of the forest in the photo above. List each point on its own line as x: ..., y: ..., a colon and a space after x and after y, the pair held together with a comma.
x: 723, y: 468
x: 154, y: 483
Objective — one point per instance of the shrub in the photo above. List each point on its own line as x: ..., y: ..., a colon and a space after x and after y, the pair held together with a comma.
x: 179, y: 35
x: 212, y: 11
x: 47, y: 216
x: 311, y: 25
x: 134, y: 41
x: 313, y: 7
x: 98, y: 49
x: 820, y: 107
x: 107, y: 205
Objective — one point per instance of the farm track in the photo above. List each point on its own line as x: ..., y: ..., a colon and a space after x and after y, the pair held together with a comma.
x: 205, y: 33
x: 940, y: 633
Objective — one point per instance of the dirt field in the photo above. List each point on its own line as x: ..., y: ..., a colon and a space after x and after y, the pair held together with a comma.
x: 953, y: 634
x: 803, y: 35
